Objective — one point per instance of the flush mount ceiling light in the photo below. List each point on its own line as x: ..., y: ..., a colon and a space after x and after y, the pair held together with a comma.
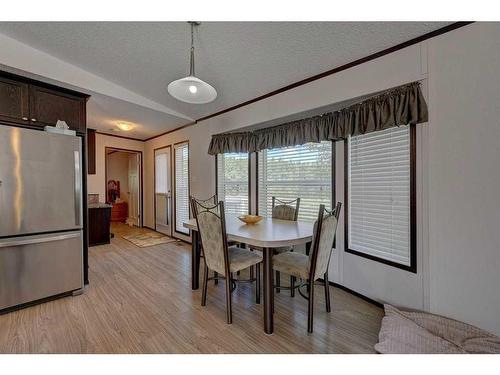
x: 124, y: 126
x: 191, y: 89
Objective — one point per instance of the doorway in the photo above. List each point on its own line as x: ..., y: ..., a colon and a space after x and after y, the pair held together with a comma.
x: 163, y: 190
x: 123, y: 170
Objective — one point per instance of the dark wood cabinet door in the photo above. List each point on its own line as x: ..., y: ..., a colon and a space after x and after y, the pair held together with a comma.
x: 14, y: 101
x: 99, y: 226
x: 90, y: 151
x: 47, y: 106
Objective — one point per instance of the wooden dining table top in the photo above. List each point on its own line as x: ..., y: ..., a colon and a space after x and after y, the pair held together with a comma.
x: 267, y: 233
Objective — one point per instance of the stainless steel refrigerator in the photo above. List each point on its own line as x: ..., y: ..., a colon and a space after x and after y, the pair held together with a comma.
x: 41, y: 239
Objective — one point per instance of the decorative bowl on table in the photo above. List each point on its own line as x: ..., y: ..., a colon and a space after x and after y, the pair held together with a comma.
x: 250, y: 219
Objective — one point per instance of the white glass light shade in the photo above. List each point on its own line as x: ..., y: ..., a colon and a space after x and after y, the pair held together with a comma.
x: 192, y: 90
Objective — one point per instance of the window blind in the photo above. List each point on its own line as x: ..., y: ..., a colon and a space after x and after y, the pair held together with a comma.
x: 300, y: 171
x: 181, y: 186
x: 379, y: 194
x: 161, y: 167
x: 232, y: 182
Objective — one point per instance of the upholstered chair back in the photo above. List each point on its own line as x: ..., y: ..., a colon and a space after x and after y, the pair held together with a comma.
x: 209, y: 202
x: 321, y: 247
x: 212, y: 232
x: 285, y: 210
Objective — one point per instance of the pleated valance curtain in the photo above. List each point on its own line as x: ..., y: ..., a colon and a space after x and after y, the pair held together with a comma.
x: 398, y: 106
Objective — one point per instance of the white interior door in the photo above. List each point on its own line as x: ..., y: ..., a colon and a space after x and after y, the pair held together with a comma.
x: 163, y: 196
x: 134, y: 167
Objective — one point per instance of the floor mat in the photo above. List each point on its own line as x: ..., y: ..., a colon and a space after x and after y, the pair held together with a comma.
x: 148, y: 239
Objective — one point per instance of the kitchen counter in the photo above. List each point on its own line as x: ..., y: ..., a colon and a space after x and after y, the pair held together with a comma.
x: 99, y: 205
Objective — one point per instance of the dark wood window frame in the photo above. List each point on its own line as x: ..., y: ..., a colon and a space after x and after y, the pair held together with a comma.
x: 174, y: 206
x: 413, y: 210
x: 332, y: 180
x: 249, y: 180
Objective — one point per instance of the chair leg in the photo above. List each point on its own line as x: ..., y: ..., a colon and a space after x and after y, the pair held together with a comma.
x: 204, y: 287
x: 229, y: 311
x: 292, y: 286
x: 310, y: 310
x: 216, y: 278
x: 278, y: 282
x: 257, y: 283
x: 252, y: 272
x: 327, y: 292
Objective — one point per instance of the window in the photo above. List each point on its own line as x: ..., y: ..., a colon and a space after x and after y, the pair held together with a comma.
x: 232, y: 182
x: 301, y: 171
x: 380, y: 175
x: 161, y: 178
x: 181, y: 182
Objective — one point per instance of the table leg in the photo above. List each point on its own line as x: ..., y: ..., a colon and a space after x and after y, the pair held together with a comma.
x: 268, y: 291
x: 195, y: 260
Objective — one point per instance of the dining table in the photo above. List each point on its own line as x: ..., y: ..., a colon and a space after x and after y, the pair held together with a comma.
x: 266, y: 235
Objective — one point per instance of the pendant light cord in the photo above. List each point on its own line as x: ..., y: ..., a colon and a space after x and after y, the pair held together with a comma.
x: 191, y: 64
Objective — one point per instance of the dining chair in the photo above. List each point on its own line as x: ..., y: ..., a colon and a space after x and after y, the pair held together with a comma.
x: 312, y: 267
x: 284, y: 210
x: 218, y: 256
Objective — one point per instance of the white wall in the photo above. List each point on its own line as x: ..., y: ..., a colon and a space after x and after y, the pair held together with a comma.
x: 464, y: 175
x: 373, y: 279
x: 97, y: 182
x: 458, y: 211
x: 118, y: 171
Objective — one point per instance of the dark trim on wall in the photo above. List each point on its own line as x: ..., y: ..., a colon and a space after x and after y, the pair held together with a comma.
x: 354, y: 293
x: 120, y: 136
x: 174, y: 206
x: 373, y: 56
x: 171, y: 131
x: 170, y: 187
x: 413, y: 210
x: 106, y: 148
x: 304, y: 81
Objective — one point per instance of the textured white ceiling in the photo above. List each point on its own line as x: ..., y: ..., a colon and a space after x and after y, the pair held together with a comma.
x: 241, y: 60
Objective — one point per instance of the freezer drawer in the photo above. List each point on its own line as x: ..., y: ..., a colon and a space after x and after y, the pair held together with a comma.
x: 35, y: 267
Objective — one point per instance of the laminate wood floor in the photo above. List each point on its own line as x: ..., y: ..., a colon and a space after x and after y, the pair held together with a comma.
x: 140, y: 301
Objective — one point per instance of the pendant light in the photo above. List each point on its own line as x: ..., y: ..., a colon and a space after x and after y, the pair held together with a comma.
x: 191, y: 89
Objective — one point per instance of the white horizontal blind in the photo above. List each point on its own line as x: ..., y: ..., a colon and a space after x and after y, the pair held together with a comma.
x: 291, y: 172
x: 379, y: 194
x: 161, y: 173
x: 181, y: 186
x: 232, y: 182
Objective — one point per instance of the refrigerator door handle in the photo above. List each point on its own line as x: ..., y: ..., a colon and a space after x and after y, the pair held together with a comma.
x: 78, y: 189
x: 38, y: 239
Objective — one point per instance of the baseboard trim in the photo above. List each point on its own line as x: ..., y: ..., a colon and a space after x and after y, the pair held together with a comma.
x: 363, y: 297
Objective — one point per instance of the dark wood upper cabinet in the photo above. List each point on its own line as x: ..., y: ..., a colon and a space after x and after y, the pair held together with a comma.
x: 91, y: 151
x: 47, y: 106
x: 14, y: 101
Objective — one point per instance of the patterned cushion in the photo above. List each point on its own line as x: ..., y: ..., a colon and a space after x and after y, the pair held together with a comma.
x: 413, y: 332
x: 210, y: 229
x: 240, y: 259
x: 279, y: 250
x: 328, y: 230
x: 292, y: 263
x: 284, y: 212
